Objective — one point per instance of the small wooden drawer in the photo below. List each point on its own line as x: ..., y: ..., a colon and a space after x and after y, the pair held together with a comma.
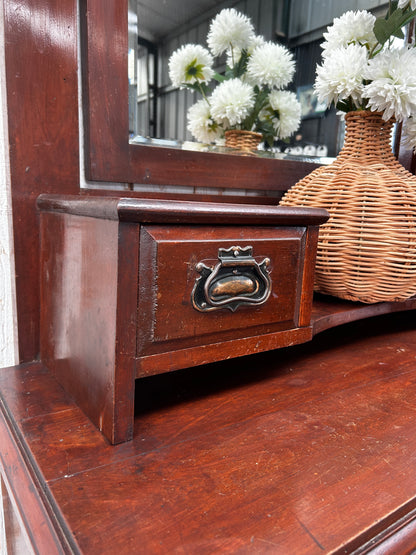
x: 254, y: 283
x: 134, y: 287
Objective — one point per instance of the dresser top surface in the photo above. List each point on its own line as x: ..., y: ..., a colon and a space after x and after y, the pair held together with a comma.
x: 308, y: 449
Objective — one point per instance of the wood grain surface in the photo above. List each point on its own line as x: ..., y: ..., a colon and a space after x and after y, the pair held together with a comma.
x: 117, y: 278
x: 42, y: 102
x: 304, y: 450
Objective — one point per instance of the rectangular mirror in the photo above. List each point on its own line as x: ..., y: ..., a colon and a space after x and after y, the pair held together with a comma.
x: 112, y: 158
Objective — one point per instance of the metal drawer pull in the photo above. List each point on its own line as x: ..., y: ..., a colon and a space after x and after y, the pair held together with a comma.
x: 237, y: 280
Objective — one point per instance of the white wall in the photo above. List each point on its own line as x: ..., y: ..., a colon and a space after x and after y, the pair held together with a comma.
x: 8, y: 324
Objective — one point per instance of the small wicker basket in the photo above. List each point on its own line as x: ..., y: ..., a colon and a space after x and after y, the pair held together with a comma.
x: 367, y: 249
x: 242, y: 140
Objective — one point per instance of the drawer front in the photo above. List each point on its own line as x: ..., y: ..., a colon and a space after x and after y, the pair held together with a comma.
x: 173, y: 262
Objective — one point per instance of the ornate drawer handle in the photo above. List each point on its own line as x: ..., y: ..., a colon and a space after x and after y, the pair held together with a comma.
x: 238, y: 279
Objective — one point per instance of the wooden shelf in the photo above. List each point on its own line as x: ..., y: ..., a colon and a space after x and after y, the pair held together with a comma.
x: 329, y: 312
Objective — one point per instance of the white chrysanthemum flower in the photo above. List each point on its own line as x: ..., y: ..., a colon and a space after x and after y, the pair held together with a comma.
x: 392, y: 89
x: 234, y: 54
x: 229, y: 28
x: 341, y: 75
x: 405, y: 3
x: 231, y: 102
x: 201, y: 124
x: 271, y: 64
x: 283, y: 112
x: 350, y: 28
x: 408, y: 138
x: 189, y: 64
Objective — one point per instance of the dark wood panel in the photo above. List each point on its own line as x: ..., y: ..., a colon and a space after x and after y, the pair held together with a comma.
x: 168, y: 260
x: 329, y: 311
x: 142, y: 210
x: 182, y: 358
x: 82, y: 338
x: 42, y: 98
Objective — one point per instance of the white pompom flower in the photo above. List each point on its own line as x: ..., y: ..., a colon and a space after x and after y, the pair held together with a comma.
x: 350, y: 28
x: 270, y: 64
x: 190, y: 64
x: 408, y: 138
x: 201, y: 124
x: 392, y: 87
x: 234, y: 54
x: 341, y: 75
x: 229, y: 29
x: 283, y: 111
x: 231, y: 102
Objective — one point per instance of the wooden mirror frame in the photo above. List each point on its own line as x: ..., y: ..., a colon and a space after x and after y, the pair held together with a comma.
x: 108, y: 155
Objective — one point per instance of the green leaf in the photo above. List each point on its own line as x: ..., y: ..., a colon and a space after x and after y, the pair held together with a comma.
x: 384, y: 29
x: 198, y: 87
x: 229, y: 74
x: 218, y: 77
x: 267, y: 130
x: 381, y: 30
x: 409, y: 15
x: 269, y: 139
x: 240, y: 67
x: 261, y: 99
x: 343, y: 106
x: 392, y: 7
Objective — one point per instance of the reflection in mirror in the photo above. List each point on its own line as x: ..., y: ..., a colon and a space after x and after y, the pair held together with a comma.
x: 157, y: 110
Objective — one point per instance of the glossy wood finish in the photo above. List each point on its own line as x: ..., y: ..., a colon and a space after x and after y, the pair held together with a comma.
x: 37, y: 524
x: 308, y: 450
x: 329, y: 312
x: 159, y: 211
x: 42, y: 98
x: 117, y: 279
x: 109, y: 157
x: 172, y: 334
x: 272, y: 432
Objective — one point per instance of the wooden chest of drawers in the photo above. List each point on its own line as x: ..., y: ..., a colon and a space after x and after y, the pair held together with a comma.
x: 138, y: 287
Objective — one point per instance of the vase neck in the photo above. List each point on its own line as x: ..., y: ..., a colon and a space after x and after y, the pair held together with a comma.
x: 367, y: 137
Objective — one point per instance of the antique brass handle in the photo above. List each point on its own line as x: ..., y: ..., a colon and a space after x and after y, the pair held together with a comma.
x: 238, y: 279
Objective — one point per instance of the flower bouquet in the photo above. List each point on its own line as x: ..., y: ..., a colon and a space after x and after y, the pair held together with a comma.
x: 367, y: 248
x: 250, y: 96
x: 365, y: 68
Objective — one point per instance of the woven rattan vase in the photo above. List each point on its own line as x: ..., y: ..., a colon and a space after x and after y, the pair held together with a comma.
x: 242, y: 140
x: 367, y: 249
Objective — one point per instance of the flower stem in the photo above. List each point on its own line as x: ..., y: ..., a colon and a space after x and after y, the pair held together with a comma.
x: 202, y: 91
x: 232, y: 53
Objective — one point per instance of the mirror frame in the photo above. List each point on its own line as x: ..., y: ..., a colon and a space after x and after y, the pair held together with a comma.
x: 109, y: 157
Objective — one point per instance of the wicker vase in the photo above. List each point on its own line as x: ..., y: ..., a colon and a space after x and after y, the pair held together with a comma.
x: 367, y: 249
x: 242, y: 140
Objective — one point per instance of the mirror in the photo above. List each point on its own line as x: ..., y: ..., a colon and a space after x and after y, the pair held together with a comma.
x: 114, y: 163
x: 158, y: 110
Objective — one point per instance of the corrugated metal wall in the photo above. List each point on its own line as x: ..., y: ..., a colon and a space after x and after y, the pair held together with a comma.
x: 264, y: 15
x: 309, y: 18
